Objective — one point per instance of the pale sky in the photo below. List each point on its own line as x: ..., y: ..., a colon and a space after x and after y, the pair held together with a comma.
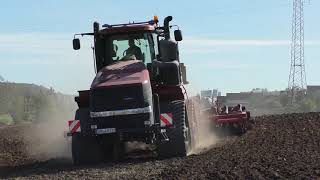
x: 230, y: 45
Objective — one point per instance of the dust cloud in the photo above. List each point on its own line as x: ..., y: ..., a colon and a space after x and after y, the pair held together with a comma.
x: 46, y: 140
x: 204, y: 135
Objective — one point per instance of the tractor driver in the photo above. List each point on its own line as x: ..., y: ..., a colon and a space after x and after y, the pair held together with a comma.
x: 134, y: 50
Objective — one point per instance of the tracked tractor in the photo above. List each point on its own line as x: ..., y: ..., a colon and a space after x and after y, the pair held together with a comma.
x: 138, y: 94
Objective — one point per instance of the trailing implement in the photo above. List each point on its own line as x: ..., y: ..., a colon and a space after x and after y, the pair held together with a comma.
x: 231, y: 119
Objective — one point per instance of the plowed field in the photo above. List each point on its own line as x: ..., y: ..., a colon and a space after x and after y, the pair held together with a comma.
x: 277, y: 147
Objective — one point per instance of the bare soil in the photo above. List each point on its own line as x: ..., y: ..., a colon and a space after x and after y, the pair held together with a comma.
x: 277, y: 147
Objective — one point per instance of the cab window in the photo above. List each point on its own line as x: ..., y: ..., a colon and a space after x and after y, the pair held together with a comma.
x: 132, y: 47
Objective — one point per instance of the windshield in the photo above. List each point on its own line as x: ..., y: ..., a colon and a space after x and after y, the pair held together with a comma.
x: 131, y: 47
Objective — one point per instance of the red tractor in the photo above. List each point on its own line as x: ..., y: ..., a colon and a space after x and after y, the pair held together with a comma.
x: 231, y: 119
x: 138, y: 94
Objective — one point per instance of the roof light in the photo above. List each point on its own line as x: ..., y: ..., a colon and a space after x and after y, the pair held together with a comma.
x: 156, y: 19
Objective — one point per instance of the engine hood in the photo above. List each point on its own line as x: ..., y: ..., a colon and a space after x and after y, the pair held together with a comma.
x: 121, y: 73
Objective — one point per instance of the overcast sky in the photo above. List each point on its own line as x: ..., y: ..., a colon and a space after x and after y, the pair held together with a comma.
x: 230, y: 45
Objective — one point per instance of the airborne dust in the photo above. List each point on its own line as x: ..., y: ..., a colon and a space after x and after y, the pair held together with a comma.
x: 45, y: 140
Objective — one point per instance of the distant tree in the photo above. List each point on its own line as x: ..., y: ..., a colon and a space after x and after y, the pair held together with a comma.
x: 284, y: 100
x: 308, y: 105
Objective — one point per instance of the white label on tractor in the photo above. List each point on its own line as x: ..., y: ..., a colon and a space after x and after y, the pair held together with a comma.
x: 166, y: 119
x: 74, y: 126
x: 106, y: 131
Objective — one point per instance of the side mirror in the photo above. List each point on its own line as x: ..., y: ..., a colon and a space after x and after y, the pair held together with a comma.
x: 178, y: 35
x: 76, y: 44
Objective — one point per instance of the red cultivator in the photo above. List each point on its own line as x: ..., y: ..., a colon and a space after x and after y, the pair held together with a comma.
x: 233, y: 119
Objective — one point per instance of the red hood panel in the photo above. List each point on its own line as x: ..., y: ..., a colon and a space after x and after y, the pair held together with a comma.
x: 121, y: 73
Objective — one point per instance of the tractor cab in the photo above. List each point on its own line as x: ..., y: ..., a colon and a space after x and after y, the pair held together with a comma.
x: 145, y: 42
x: 123, y: 43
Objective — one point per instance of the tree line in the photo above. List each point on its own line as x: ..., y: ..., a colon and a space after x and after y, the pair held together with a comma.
x: 33, y: 103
